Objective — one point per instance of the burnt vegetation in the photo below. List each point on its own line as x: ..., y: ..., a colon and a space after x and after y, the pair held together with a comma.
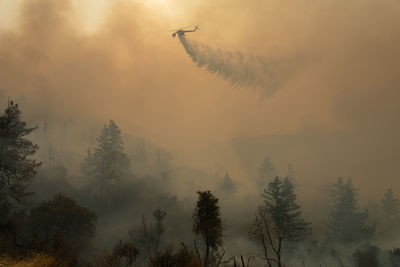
x: 118, y: 216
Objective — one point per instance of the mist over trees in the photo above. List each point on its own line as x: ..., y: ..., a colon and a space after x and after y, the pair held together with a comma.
x: 72, y: 66
x: 122, y: 217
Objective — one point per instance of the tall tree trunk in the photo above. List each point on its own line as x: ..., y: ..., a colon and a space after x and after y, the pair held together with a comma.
x: 207, y: 253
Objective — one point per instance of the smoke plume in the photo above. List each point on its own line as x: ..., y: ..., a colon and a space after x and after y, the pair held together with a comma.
x: 239, y: 69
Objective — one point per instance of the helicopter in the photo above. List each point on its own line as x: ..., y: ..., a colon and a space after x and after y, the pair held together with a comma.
x: 181, y: 31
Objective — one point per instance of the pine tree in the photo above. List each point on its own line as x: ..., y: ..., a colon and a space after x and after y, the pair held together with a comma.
x: 16, y: 167
x: 107, y: 163
x: 281, y: 205
x: 266, y: 172
x: 347, y: 224
x: 390, y: 204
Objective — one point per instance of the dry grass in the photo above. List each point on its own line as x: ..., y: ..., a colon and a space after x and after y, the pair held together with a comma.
x: 39, y: 260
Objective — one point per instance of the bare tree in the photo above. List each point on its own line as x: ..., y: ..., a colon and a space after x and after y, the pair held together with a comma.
x: 147, y: 236
x: 269, y: 236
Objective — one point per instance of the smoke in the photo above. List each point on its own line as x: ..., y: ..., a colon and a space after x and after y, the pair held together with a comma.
x: 345, y: 105
x: 239, y: 69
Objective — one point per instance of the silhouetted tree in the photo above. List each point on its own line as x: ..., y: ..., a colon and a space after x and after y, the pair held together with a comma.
x: 16, y: 168
x: 107, y: 162
x: 208, y: 224
x: 390, y: 204
x: 61, y: 225
x: 266, y: 172
x: 281, y: 205
x: 346, y: 223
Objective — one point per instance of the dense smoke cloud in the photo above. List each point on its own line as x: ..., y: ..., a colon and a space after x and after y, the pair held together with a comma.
x: 344, y: 105
x: 239, y: 69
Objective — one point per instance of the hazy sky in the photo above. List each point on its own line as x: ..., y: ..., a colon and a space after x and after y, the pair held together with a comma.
x: 155, y: 82
x: 116, y: 59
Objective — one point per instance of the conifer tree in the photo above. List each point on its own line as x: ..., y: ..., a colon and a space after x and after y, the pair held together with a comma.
x: 390, y: 204
x: 16, y: 166
x: 347, y: 224
x: 282, y: 207
x: 107, y: 162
